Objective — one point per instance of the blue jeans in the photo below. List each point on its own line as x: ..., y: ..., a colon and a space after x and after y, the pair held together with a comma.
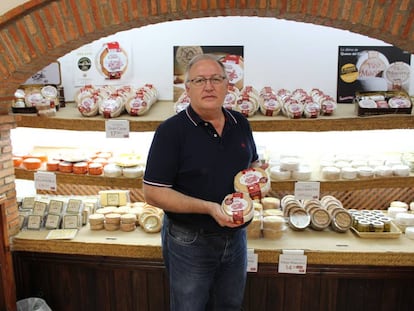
x: 207, y: 271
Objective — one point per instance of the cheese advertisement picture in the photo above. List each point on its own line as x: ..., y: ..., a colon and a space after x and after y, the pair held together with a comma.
x: 103, y: 62
x: 371, y: 69
x: 231, y: 56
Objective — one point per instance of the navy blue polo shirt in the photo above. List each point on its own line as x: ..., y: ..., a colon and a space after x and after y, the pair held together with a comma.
x: 189, y: 156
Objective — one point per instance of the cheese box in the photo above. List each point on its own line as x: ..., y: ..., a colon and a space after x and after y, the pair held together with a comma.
x: 382, y: 102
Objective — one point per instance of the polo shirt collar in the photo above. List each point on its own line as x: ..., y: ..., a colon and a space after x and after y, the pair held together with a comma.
x: 196, y: 120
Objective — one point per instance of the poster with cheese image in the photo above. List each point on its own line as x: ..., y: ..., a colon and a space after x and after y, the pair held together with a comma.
x: 371, y: 69
x: 231, y: 56
x: 107, y: 61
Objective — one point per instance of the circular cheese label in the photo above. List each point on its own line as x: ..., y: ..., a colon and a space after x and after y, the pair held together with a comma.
x: 367, y: 103
x: 186, y: 53
x: 349, y: 73
x: 49, y: 91
x: 114, y: 61
x: 251, y: 177
x: 271, y: 104
x: 371, y: 64
x: 34, y: 98
x: 398, y: 72
x: 399, y: 102
x: 234, y: 72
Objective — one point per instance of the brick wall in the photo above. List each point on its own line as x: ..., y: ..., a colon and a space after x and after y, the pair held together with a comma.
x: 38, y: 32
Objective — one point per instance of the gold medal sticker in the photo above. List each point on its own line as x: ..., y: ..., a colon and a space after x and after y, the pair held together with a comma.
x: 349, y: 73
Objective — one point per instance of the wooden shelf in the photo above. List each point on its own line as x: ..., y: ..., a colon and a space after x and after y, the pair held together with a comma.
x: 350, y: 185
x: 325, y: 186
x: 67, y: 178
x: 344, y: 119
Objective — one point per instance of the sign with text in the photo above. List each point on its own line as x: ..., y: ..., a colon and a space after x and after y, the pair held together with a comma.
x: 45, y: 181
x: 117, y: 128
x: 371, y: 69
x: 305, y: 190
x: 295, y: 264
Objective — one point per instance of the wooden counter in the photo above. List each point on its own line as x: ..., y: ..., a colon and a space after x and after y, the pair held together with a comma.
x: 325, y: 247
x: 102, y: 270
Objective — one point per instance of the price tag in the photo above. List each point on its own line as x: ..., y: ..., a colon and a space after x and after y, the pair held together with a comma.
x: 305, y: 190
x: 251, y: 261
x: 295, y: 264
x: 117, y: 128
x: 45, y: 181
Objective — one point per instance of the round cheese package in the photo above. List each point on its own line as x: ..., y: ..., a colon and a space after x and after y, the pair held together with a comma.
x: 239, y: 206
x: 254, y: 181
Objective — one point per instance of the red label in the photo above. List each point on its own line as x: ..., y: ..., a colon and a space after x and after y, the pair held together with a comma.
x: 232, y: 58
x: 238, y: 217
x: 113, y: 46
x: 254, y: 191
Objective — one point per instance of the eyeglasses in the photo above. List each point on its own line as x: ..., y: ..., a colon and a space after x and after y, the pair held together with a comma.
x: 201, y: 81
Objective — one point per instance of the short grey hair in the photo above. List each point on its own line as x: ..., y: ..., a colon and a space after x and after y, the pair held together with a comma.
x: 201, y: 57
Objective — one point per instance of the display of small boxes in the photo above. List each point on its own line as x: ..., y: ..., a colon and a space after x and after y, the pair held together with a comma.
x: 382, y: 102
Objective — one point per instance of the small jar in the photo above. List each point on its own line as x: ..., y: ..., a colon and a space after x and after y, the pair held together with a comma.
x: 387, y: 223
x: 80, y: 168
x: 52, y: 165
x: 376, y: 226
x: 363, y: 226
x: 65, y: 167
x: 95, y: 169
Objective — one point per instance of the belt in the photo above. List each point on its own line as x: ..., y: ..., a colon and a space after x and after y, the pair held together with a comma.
x: 202, y: 231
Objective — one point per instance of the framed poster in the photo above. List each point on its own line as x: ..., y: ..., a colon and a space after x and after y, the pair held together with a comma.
x: 103, y: 63
x: 230, y: 56
x: 48, y: 75
x: 371, y: 68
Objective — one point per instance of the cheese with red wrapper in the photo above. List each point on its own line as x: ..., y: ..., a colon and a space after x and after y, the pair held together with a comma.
x: 239, y: 206
x: 253, y: 181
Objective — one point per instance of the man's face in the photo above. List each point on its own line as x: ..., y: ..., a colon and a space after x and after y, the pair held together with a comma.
x: 208, y: 87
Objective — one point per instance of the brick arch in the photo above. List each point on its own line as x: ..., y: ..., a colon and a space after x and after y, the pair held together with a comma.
x: 38, y: 32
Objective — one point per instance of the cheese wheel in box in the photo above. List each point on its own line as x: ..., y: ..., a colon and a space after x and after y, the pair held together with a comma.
x: 254, y: 181
x: 239, y: 206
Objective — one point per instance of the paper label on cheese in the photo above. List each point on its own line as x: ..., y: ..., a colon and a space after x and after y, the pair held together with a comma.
x: 253, y: 180
x: 237, y: 205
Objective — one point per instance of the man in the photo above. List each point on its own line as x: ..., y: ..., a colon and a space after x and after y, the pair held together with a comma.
x: 191, y: 166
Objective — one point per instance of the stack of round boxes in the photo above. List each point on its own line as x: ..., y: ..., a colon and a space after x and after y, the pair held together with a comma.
x: 318, y: 214
x: 290, y: 167
x: 127, y: 217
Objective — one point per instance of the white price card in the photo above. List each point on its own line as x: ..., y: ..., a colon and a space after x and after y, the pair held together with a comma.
x: 117, y: 128
x: 45, y: 181
x: 305, y: 190
x: 295, y: 264
x: 251, y: 261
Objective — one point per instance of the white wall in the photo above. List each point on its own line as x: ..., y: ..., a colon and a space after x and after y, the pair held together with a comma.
x: 279, y: 53
x: 7, y: 5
